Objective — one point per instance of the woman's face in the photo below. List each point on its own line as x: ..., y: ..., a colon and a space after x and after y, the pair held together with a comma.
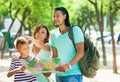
x: 41, y: 34
x: 58, y: 18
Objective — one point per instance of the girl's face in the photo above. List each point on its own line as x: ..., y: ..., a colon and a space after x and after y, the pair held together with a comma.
x: 41, y: 34
x: 23, y: 50
x: 58, y: 18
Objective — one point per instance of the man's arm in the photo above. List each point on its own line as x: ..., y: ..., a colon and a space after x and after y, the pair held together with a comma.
x: 80, y: 53
x: 77, y: 57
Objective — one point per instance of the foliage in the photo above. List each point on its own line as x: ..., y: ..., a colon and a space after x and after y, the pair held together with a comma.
x: 40, y: 11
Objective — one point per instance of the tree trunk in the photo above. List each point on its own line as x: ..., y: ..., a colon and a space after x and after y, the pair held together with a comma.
x: 100, y: 23
x: 6, y: 36
x: 114, y: 7
x: 113, y: 45
x: 99, y: 17
x: 25, y: 14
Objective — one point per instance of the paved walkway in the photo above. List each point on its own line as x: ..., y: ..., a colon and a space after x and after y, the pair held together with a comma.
x: 104, y: 74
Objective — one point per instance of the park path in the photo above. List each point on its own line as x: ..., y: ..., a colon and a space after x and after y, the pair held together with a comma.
x: 104, y: 74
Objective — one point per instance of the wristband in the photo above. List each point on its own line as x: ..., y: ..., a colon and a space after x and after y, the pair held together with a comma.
x: 69, y: 65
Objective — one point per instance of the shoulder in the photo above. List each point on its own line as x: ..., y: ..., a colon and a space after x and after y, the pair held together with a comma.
x: 78, y: 34
x: 31, y: 58
x: 55, y: 31
x: 47, y: 43
x: 76, y: 28
x: 15, y: 60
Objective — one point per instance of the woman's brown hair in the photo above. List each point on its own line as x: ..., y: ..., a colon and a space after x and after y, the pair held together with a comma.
x: 38, y: 28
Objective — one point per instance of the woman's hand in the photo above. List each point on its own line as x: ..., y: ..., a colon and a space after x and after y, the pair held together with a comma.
x: 47, y: 74
x: 28, y: 38
x: 62, y: 68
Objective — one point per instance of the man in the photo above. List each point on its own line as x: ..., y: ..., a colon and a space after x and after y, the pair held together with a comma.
x: 65, y: 49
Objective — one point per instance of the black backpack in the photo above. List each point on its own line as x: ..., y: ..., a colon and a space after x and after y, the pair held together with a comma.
x: 89, y: 64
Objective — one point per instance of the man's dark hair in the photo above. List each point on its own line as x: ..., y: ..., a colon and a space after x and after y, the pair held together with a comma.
x: 64, y: 11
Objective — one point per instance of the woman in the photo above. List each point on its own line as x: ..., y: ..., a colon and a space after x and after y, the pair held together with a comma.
x: 66, y: 52
x: 40, y: 48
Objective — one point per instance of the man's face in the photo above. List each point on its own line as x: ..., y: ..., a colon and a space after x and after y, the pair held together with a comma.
x: 58, y: 18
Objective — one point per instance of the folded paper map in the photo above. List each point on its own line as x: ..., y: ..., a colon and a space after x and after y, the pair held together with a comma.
x: 41, y: 66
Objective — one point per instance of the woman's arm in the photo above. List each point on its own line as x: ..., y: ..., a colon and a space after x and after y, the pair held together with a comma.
x: 38, y: 43
x: 55, y: 54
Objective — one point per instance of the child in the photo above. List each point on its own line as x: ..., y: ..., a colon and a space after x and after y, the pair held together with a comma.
x: 16, y: 67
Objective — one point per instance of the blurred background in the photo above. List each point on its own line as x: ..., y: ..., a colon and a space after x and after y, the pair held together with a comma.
x: 98, y: 19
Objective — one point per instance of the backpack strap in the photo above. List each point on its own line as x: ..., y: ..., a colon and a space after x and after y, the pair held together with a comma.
x: 71, y: 35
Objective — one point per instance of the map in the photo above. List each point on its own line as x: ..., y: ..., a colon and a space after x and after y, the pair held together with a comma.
x: 41, y: 66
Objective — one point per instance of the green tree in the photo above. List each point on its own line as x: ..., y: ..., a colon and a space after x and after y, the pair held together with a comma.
x: 99, y: 16
x: 114, y: 7
x: 29, y: 13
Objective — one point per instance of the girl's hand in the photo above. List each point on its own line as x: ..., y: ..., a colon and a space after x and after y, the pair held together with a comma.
x: 62, y: 68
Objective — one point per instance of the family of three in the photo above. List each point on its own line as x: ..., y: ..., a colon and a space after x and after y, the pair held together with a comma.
x: 59, y: 44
